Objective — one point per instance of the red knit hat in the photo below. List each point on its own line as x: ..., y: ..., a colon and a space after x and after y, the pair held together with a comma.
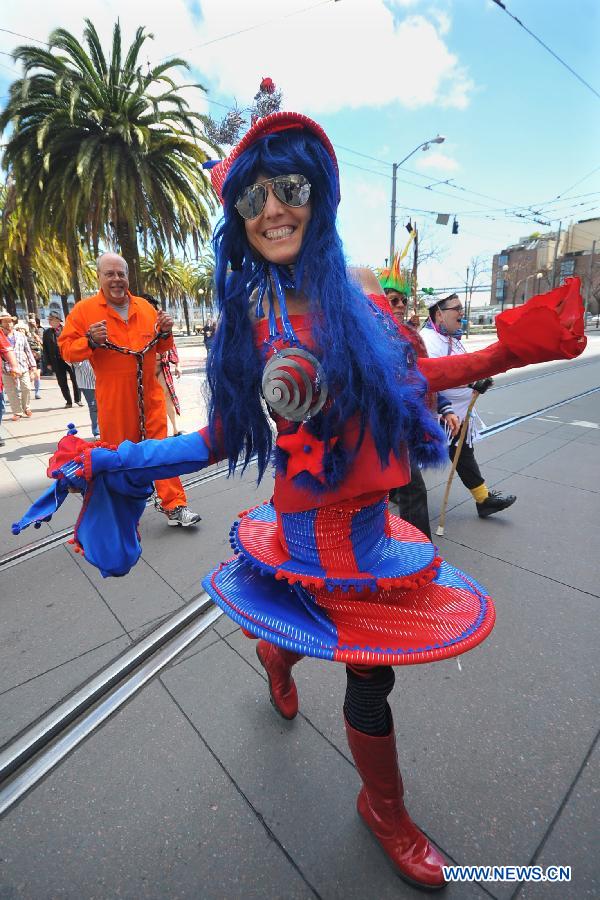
x: 271, y: 124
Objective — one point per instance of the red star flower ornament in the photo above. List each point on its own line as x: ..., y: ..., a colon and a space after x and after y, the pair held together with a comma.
x: 305, y: 453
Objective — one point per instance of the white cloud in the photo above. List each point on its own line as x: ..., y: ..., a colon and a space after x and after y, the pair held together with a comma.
x: 441, y: 19
x: 166, y: 23
x: 435, y: 159
x: 351, y: 54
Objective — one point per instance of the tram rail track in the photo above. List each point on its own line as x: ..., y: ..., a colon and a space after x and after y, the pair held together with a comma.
x: 57, y: 538
x: 39, y: 748
x: 50, y: 541
x: 559, y: 370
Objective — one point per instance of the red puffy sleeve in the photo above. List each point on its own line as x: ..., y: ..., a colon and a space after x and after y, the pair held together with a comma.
x: 549, y: 326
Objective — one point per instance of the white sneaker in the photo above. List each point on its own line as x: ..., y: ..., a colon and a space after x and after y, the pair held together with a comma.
x: 181, y: 515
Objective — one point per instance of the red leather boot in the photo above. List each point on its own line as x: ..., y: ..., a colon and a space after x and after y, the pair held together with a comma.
x: 381, y: 806
x: 278, y: 663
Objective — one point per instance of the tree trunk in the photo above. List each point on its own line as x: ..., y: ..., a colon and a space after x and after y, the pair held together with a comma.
x: 64, y: 299
x: 186, y: 315
x: 74, y: 256
x: 129, y: 251
x: 10, y: 300
x: 163, y: 299
x: 27, y: 279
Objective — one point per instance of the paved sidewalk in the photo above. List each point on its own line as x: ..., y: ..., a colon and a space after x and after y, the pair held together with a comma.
x: 198, y: 790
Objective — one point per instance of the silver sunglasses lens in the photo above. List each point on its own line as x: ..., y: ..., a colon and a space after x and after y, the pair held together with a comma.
x: 293, y: 190
x: 252, y: 201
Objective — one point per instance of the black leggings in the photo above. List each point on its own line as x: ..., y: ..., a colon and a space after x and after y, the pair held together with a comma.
x: 365, y: 707
x: 467, y: 468
x: 61, y: 376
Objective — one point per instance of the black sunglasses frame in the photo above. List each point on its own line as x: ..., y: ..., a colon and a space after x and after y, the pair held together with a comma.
x: 395, y: 301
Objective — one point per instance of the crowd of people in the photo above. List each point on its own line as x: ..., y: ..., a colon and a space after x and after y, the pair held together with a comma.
x: 330, y: 387
x: 130, y: 395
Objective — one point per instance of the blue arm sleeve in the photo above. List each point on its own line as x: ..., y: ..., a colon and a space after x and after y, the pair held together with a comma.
x: 134, y: 466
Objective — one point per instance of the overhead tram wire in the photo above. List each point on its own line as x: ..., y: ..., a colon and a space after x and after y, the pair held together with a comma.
x: 225, y: 37
x: 534, y: 208
x: 585, y: 177
x: 546, y: 47
x: 507, y: 209
x: 475, y: 214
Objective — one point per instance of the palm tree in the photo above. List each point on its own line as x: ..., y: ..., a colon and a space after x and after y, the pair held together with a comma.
x: 100, y: 149
x: 161, y: 275
x: 27, y: 268
x: 206, y: 279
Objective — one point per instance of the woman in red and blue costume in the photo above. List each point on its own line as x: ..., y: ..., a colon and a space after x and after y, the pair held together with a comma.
x: 309, y: 347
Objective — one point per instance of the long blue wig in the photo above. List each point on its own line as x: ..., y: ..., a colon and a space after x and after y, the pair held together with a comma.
x: 370, y: 371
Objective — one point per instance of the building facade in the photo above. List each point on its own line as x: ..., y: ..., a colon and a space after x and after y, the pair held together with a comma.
x: 539, y: 262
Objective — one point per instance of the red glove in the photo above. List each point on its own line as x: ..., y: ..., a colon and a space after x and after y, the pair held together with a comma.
x: 549, y: 326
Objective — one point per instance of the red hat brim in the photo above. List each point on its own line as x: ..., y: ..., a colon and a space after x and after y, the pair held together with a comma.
x: 271, y: 124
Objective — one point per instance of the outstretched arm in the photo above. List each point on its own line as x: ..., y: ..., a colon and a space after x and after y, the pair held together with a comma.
x: 548, y: 327
x: 446, y: 372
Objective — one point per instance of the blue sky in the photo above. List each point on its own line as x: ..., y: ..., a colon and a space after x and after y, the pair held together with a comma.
x: 382, y: 77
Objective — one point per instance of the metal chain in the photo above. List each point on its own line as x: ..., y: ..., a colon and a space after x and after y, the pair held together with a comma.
x: 139, y: 359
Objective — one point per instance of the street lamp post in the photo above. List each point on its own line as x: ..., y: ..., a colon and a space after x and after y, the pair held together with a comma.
x: 424, y: 146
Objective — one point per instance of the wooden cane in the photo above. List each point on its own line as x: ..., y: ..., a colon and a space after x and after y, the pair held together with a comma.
x: 459, y: 446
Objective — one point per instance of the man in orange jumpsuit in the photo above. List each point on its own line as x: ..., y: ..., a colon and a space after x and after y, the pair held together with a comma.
x: 115, y: 315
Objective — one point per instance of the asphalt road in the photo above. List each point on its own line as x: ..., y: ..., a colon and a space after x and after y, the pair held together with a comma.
x: 196, y: 788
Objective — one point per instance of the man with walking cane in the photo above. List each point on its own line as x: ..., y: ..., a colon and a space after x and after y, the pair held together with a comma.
x: 441, y: 335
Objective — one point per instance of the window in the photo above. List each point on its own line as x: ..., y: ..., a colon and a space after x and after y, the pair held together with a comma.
x: 567, y: 267
x: 500, y: 289
x: 503, y: 259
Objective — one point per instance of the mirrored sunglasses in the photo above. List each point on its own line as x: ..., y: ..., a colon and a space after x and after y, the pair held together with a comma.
x: 397, y: 300
x: 293, y: 190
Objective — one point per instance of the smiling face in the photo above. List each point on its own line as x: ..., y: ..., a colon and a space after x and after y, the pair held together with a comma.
x: 450, y: 315
x: 113, y: 278
x: 277, y: 233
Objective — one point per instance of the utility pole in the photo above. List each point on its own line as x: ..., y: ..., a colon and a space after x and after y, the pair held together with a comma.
x: 414, y: 271
x: 588, y: 287
x: 467, y: 304
x: 555, y: 256
x: 393, y: 215
x: 395, y: 166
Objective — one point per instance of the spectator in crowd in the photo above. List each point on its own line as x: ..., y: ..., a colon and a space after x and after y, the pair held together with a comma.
x: 8, y: 357
x: 165, y: 379
x: 115, y: 318
x: 55, y: 362
x: 36, y: 325
x: 412, y: 497
x: 35, y: 337
x: 165, y: 376
x: 441, y: 335
x: 209, y: 332
x: 86, y: 381
x: 18, y: 388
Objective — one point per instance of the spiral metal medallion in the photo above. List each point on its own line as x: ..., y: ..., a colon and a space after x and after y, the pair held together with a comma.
x: 289, y: 389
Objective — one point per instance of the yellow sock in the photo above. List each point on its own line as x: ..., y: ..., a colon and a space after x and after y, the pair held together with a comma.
x: 480, y: 493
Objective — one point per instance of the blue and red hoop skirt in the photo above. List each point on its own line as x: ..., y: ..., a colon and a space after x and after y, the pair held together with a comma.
x: 350, y: 583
